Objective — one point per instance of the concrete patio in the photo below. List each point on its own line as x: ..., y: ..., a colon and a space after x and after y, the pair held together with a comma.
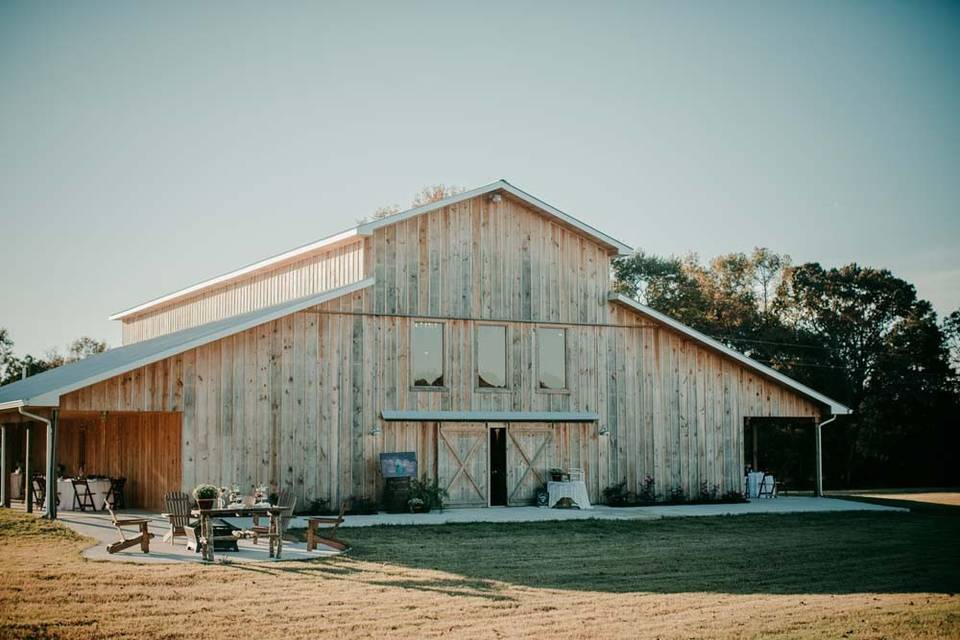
x: 97, y: 525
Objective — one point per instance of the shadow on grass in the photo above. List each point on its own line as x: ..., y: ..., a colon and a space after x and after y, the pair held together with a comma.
x: 825, y: 553
x: 343, y: 569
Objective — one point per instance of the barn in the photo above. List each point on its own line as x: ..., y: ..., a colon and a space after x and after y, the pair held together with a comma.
x: 478, y: 331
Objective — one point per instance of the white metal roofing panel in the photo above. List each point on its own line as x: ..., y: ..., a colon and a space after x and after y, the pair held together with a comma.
x: 45, y: 389
x: 368, y: 227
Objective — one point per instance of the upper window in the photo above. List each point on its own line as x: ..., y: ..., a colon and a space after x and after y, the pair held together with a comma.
x: 552, y: 358
x: 491, y: 356
x: 427, y: 354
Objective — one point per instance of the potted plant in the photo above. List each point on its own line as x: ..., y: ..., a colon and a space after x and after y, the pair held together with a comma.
x: 205, y: 494
x: 425, y: 494
x: 417, y: 505
x: 556, y: 474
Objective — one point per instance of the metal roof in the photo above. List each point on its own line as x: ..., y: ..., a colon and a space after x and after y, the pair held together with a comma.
x: 368, y: 228
x: 835, y: 407
x: 45, y: 389
x: 490, y: 416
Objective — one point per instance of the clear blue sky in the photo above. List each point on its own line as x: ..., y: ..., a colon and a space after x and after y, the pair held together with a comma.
x: 144, y: 147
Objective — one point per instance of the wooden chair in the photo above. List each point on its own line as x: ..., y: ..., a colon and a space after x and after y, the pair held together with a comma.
x: 143, y: 539
x: 82, y: 498
x: 286, y: 500
x: 177, y: 505
x: 329, y: 538
x: 115, y: 494
x: 38, y: 491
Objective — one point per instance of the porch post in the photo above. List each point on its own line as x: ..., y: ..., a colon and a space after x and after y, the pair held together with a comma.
x: 4, y: 471
x: 819, y: 462
x: 27, y: 471
x: 52, y: 465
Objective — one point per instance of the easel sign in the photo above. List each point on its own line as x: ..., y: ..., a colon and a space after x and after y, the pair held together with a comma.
x: 400, y: 464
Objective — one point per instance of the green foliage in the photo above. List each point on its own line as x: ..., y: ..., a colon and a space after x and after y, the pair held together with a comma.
x: 857, y: 334
x: 12, y: 367
x: 362, y: 505
x: 429, y: 491
x: 206, y: 492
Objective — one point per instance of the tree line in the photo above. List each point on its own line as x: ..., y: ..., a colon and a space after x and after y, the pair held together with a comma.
x: 857, y: 334
x: 13, y: 368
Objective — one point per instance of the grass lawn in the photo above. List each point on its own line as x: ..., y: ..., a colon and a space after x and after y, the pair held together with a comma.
x: 830, y: 575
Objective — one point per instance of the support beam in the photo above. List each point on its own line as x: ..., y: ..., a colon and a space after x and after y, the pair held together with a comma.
x: 4, y: 470
x: 820, y: 455
x: 27, y: 470
x: 52, y: 465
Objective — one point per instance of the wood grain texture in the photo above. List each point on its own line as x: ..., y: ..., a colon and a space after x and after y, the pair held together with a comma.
x: 296, y: 402
x: 306, y: 275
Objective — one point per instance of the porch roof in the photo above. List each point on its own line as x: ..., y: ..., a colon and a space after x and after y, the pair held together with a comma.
x: 490, y: 416
x: 45, y: 389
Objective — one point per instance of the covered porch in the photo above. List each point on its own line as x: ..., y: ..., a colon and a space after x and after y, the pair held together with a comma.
x: 137, y: 454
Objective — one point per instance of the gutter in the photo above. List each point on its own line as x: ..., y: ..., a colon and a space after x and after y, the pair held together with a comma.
x: 820, y: 454
x: 51, y: 481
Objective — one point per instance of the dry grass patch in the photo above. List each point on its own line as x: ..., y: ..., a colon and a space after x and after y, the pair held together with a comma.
x: 815, y: 575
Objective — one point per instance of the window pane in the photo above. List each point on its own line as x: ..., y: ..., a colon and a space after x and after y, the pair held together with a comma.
x: 552, y: 358
x: 427, y: 354
x: 492, y: 356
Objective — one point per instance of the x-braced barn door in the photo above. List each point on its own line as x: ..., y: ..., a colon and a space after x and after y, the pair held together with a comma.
x: 462, y: 463
x: 529, y: 456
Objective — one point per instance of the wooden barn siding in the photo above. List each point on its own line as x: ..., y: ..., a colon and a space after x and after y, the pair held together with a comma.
x: 480, y: 259
x: 143, y: 447
x: 295, y: 402
x: 328, y: 269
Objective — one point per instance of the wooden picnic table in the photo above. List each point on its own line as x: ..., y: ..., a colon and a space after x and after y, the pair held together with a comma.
x: 207, y: 537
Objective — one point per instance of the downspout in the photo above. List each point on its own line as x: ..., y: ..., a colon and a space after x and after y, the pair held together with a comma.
x: 820, y: 456
x: 51, y: 493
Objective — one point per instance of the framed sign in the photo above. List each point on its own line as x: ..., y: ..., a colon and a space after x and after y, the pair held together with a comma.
x: 400, y: 464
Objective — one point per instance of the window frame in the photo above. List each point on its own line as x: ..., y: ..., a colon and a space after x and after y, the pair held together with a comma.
x: 566, y: 359
x: 507, y: 387
x: 443, y: 356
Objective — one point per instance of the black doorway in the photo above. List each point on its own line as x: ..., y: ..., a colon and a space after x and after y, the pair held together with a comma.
x: 498, y: 467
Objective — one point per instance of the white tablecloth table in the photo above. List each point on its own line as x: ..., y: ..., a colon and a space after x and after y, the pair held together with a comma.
x: 576, y: 490
x: 99, y: 489
x: 753, y: 481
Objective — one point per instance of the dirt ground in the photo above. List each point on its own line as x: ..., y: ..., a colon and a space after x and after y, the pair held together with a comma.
x: 865, y: 575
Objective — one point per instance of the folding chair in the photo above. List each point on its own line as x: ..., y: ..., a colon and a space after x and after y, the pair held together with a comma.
x: 115, y: 494
x: 768, y: 489
x: 38, y: 491
x: 82, y: 498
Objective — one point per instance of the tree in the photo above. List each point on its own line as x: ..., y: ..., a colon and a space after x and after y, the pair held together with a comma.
x: 12, y: 368
x: 951, y: 331
x: 426, y: 195
x: 432, y: 193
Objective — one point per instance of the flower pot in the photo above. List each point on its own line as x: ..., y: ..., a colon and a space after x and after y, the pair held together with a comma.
x: 205, y: 503
x: 556, y: 477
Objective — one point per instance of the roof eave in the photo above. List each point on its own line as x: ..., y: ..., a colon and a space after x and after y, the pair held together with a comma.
x: 835, y: 407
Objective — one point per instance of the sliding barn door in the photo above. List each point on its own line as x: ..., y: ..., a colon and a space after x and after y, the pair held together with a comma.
x: 529, y: 456
x: 462, y: 461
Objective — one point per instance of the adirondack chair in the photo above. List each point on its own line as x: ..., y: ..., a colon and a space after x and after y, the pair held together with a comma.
x: 143, y: 538
x: 329, y: 538
x: 289, y: 503
x: 177, y: 512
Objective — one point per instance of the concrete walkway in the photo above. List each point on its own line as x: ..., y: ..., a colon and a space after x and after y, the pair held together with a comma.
x: 98, y: 526
x: 535, y: 514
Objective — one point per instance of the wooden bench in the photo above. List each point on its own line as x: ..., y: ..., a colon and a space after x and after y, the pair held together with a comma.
x: 143, y: 539
x: 329, y: 538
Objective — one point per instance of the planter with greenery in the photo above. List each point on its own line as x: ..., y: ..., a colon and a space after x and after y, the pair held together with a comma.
x: 425, y: 494
x: 205, y: 495
x: 556, y: 474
